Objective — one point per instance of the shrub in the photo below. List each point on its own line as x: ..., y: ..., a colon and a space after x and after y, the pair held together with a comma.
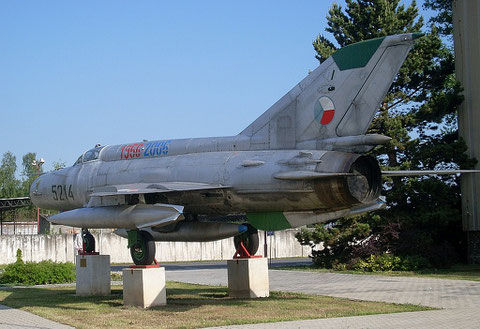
x: 382, y: 263
x: 390, y: 262
x: 414, y: 263
x: 19, y: 256
x: 38, y: 273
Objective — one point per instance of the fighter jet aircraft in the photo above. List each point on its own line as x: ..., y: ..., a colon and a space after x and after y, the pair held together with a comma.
x: 301, y: 162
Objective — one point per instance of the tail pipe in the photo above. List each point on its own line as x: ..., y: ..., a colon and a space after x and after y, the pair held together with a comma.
x: 362, y: 187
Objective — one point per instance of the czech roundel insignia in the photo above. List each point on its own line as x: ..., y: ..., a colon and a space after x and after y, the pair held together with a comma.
x: 324, y: 110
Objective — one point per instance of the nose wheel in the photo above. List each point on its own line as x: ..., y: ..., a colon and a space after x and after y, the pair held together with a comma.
x: 142, y: 247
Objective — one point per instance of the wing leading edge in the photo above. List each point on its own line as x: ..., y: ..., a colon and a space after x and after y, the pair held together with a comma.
x: 144, y: 188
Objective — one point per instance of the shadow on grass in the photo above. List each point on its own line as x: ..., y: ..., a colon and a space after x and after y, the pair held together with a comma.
x: 180, y: 298
x: 56, y: 298
x: 188, y: 306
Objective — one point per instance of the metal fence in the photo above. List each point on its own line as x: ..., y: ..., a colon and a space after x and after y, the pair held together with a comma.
x: 17, y: 216
x: 20, y: 228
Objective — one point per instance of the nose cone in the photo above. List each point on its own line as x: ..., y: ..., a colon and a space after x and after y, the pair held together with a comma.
x: 36, y: 191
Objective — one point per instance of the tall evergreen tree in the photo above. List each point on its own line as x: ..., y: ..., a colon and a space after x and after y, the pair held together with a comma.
x: 419, y: 113
x: 444, y: 17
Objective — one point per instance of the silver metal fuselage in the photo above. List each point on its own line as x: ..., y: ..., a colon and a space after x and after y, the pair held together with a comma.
x: 247, y: 178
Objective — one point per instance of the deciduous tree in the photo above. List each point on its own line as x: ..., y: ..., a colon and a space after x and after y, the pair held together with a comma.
x: 9, y: 185
x: 31, y: 170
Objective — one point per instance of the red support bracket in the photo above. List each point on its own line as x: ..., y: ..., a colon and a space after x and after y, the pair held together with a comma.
x: 81, y: 252
x: 145, y: 266
x: 156, y: 265
x: 242, y: 252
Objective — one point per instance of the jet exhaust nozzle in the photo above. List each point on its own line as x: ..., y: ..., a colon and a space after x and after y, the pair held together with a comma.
x: 349, y: 179
x: 365, y: 184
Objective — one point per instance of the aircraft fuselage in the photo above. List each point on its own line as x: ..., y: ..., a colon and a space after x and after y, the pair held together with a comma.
x: 248, y: 181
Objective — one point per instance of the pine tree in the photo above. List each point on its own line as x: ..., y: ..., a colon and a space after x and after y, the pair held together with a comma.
x: 419, y: 113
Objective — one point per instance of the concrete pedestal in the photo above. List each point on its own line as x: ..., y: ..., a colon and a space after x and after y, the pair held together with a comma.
x: 144, y: 287
x: 248, y: 278
x: 93, y: 275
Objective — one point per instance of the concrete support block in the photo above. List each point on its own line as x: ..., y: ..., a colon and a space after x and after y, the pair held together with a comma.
x: 248, y: 278
x: 144, y: 287
x: 93, y: 275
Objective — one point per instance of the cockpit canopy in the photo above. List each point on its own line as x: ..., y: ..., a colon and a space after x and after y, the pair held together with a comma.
x: 90, y: 155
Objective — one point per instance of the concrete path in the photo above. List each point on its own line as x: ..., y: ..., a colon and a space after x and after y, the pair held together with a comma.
x: 11, y: 318
x: 204, y: 265
x: 459, y: 300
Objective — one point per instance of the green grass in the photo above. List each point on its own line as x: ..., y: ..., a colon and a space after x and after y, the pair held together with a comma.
x: 188, y: 306
x: 457, y: 272
x: 116, y: 276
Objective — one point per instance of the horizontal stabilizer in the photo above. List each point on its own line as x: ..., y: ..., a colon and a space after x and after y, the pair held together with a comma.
x: 307, y: 175
x: 405, y: 173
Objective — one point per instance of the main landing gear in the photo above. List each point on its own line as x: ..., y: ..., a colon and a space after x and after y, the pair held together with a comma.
x: 249, y: 239
x: 141, y: 244
x: 142, y: 247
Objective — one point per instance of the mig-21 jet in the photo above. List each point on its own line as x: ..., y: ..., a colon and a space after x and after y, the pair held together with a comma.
x: 301, y: 162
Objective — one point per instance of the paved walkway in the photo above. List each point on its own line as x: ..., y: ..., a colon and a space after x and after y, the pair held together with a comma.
x: 11, y: 318
x: 459, y: 300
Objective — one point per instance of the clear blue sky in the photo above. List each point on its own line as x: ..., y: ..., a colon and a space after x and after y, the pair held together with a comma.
x: 77, y: 73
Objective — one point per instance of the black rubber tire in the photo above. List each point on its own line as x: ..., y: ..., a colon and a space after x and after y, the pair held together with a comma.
x: 250, y: 240
x: 88, y: 242
x: 143, y: 251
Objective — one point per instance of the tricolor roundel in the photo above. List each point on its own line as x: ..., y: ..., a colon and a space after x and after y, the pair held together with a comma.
x: 324, y: 110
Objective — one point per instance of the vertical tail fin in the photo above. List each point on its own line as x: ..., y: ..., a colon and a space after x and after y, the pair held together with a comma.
x: 339, y: 98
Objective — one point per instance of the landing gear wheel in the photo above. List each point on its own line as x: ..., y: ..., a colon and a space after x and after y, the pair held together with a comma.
x: 88, y: 241
x: 249, y: 239
x: 143, y: 251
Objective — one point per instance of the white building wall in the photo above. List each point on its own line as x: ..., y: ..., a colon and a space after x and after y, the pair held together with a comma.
x: 59, y: 248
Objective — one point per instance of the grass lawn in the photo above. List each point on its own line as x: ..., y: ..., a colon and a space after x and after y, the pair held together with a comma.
x: 457, y: 272
x: 188, y: 306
